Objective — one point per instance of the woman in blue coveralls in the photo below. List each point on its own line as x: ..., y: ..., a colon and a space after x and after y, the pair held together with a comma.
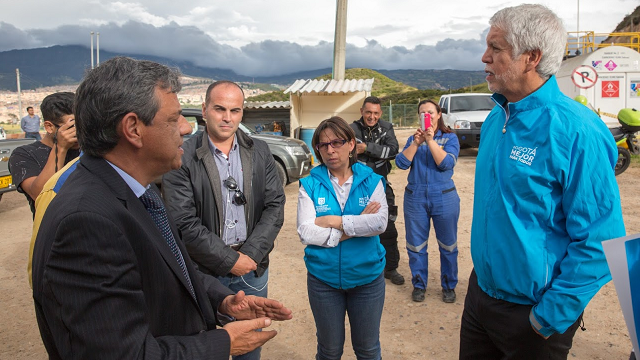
x: 342, y: 208
x: 431, y: 196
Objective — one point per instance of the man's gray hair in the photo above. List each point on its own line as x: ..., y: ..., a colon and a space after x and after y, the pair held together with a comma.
x: 531, y: 27
x: 115, y: 88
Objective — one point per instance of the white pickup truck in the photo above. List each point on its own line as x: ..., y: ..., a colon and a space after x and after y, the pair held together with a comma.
x: 464, y: 114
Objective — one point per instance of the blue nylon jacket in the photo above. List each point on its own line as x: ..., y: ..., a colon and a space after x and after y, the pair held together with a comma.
x: 358, y: 260
x: 424, y: 171
x: 545, y: 198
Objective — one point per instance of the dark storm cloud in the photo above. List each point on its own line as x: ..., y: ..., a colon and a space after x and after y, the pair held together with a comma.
x: 264, y: 58
x: 14, y: 38
x: 446, y: 54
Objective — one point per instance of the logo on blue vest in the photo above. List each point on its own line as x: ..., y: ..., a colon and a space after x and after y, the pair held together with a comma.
x: 322, y: 207
x: 363, y: 201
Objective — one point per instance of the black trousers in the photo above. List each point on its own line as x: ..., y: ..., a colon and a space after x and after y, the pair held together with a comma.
x: 498, y: 329
x: 389, y: 238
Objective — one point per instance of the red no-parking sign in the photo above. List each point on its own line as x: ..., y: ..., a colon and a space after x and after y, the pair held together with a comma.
x: 584, y: 76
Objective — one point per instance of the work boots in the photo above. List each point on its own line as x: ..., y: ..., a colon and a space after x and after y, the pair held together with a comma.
x: 418, y: 294
x: 394, y: 276
x: 448, y: 295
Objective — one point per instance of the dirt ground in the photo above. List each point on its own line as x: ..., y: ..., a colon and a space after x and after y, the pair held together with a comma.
x: 428, y: 330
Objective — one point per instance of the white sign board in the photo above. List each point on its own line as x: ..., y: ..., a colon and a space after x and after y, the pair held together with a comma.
x: 624, y: 263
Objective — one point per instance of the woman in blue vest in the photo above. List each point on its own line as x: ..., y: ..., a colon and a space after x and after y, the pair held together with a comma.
x: 341, y: 210
x: 431, y: 196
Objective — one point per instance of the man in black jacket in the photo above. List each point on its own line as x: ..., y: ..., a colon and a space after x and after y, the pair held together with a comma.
x: 377, y: 145
x: 227, y: 197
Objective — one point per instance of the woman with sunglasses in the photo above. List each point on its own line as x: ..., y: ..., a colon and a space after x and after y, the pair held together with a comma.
x: 342, y: 209
x: 430, y: 196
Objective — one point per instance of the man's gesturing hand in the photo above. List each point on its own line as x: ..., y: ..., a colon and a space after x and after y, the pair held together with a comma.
x: 245, y: 307
x: 245, y: 338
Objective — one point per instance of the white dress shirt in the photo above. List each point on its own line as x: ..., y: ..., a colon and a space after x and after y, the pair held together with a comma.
x: 352, y: 225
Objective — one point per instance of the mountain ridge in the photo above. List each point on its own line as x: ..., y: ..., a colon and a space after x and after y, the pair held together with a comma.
x: 65, y: 65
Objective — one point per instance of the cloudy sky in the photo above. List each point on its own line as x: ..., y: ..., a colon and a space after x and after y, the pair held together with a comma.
x: 260, y: 37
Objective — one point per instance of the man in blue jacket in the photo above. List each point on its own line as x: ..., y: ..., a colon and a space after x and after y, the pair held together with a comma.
x: 545, y: 199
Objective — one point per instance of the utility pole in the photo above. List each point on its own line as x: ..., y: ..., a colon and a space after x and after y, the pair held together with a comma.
x: 91, y: 50
x: 340, y: 40
x: 97, y: 49
x: 578, y: 28
x: 19, y: 94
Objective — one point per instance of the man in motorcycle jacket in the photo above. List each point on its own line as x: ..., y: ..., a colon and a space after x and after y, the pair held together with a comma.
x: 377, y: 145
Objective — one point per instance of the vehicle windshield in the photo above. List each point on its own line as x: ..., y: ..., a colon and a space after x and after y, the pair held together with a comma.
x: 246, y: 129
x: 471, y: 103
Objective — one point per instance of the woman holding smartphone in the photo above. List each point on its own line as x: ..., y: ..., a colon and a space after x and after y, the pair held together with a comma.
x: 342, y: 208
x: 431, y: 196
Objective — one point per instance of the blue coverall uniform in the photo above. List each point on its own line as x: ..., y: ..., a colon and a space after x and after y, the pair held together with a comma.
x: 431, y: 195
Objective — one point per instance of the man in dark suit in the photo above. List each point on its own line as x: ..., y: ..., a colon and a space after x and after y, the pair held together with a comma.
x: 111, y: 277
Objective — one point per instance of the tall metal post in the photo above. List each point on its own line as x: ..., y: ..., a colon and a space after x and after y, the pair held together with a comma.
x: 98, y: 49
x: 19, y: 94
x: 91, y: 50
x: 340, y: 40
x: 578, y: 27
x: 578, y: 21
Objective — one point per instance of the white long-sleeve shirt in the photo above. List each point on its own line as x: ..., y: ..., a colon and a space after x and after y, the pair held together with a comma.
x: 352, y: 225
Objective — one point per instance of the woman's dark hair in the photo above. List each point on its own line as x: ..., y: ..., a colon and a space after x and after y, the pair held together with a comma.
x: 341, y: 129
x: 441, y: 126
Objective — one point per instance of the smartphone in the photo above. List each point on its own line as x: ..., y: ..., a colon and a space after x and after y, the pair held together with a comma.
x: 425, y: 121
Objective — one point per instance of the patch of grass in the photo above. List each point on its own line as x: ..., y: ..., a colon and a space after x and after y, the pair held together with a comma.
x: 11, y: 129
x: 270, y: 96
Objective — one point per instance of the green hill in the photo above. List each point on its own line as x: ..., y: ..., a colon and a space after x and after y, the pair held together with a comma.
x: 414, y: 97
x: 270, y: 96
x: 382, y: 85
x: 435, y: 79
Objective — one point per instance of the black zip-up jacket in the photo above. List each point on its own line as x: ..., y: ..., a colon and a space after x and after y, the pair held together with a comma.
x: 382, y: 145
x: 194, y: 199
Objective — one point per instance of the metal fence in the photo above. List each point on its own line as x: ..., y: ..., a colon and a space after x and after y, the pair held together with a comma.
x: 401, y: 115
